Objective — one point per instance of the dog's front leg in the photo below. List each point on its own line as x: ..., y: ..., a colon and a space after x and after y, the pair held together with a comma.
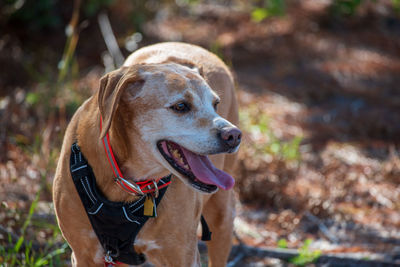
x: 86, y: 249
x: 172, y: 252
x: 218, y: 212
x: 83, y: 261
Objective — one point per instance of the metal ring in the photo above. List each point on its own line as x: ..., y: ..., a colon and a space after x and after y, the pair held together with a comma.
x: 134, y: 186
x: 110, y: 253
x: 156, y: 191
x: 108, y: 258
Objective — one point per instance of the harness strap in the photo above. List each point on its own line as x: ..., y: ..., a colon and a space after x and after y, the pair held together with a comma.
x: 116, y: 224
x: 206, y: 233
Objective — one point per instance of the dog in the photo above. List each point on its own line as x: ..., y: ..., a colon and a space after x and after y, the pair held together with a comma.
x: 169, y: 109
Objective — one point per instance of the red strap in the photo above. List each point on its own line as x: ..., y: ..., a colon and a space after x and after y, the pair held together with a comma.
x: 111, y: 264
x: 148, y: 184
x: 108, y: 264
x: 145, y: 187
x: 112, y: 161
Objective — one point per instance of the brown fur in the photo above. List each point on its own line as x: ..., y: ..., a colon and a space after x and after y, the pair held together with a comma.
x: 175, y: 82
x: 202, y: 122
x: 174, y: 230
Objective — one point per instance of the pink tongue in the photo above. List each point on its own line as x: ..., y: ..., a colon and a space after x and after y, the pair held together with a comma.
x: 206, y: 172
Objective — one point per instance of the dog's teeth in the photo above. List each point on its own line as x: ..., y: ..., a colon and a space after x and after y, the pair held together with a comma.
x: 178, y: 157
x: 175, y: 153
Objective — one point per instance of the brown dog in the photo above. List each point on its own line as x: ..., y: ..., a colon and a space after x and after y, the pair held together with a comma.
x: 160, y: 112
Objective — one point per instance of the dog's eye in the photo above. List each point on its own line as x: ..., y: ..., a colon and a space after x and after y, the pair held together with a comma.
x: 181, y: 107
x: 216, y: 105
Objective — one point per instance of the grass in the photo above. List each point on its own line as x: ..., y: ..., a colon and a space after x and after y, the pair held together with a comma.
x: 23, y: 252
x: 270, y: 8
x: 256, y: 123
x: 46, y: 104
x: 22, y: 248
x: 306, y: 256
x: 282, y: 243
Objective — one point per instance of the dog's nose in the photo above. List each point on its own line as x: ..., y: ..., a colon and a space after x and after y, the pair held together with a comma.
x: 231, y: 136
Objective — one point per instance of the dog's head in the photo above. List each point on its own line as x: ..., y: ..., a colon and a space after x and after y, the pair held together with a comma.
x: 169, y: 118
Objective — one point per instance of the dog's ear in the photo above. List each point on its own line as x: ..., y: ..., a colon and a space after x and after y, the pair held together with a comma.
x: 186, y: 63
x: 112, y: 86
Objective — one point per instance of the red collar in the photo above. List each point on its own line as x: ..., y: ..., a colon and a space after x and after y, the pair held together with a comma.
x: 139, y: 188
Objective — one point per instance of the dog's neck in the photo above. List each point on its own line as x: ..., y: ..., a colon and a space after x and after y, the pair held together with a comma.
x: 135, y: 166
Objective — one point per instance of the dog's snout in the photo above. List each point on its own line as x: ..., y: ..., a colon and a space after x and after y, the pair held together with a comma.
x: 231, y: 136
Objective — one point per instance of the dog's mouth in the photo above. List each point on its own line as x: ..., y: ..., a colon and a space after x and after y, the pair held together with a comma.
x: 198, y: 169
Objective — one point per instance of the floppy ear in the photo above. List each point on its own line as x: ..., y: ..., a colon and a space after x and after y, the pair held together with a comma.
x: 112, y: 86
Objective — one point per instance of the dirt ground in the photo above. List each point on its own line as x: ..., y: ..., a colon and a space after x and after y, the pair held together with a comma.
x: 319, y: 98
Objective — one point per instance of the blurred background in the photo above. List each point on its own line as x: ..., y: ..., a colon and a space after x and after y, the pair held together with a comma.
x: 318, y: 86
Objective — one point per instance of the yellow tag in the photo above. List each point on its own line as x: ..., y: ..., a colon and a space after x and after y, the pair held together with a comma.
x: 148, y: 206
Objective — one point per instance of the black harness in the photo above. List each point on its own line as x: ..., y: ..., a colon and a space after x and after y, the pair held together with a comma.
x: 116, y: 224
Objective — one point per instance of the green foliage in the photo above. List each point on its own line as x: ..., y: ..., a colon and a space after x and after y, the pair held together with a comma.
x: 396, y: 5
x: 43, y: 14
x: 257, y: 124
x: 259, y: 14
x: 32, y: 98
x: 31, y: 258
x: 306, y: 256
x: 92, y: 7
x: 216, y: 48
x: 35, y: 14
x: 142, y: 12
x: 21, y: 253
x: 348, y: 8
x: 338, y: 8
x: 345, y: 7
x: 282, y: 243
x: 270, y: 8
